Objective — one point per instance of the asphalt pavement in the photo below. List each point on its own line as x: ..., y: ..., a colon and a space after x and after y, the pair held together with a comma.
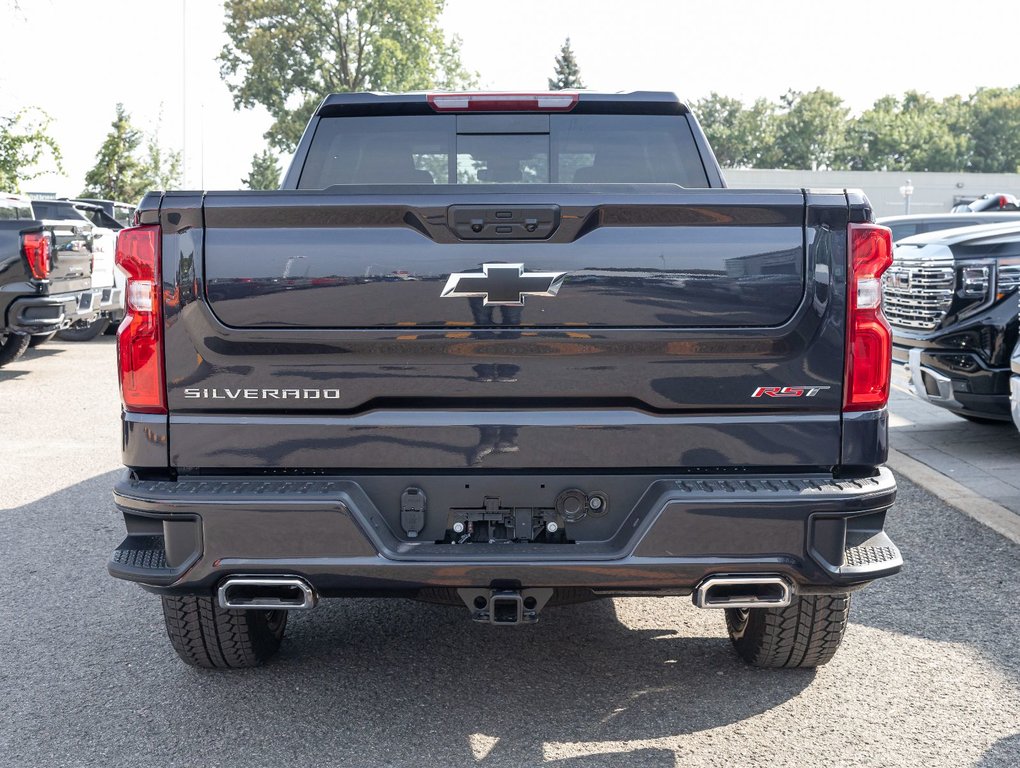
x: 929, y: 673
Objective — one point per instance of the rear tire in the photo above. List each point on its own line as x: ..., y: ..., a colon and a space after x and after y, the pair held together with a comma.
x: 85, y: 332
x: 12, y: 346
x: 40, y: 338
x: 806, y: 633
x: 205, y: 635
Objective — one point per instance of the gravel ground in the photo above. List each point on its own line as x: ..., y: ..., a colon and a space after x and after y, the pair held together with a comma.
x: 929, y: 673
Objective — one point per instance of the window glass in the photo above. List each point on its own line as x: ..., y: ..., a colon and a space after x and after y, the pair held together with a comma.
x: 900, y: 231
x: 627, y: 149
x: 503, y: 159
x: 426, y: 149
x: 15, y: 210
x: 57, y: 211
x: 123, y: 214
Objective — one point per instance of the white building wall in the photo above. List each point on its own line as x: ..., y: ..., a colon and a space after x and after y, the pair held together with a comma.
x: 933, y: 192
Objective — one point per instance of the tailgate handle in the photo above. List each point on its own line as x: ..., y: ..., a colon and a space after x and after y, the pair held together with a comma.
x: 503, y: 222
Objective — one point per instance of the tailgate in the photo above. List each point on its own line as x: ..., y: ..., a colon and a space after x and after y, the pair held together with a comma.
x: 314, y: 330
x: 70, y: 256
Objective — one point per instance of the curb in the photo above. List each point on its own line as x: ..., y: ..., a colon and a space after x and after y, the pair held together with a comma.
x: 958, y: 496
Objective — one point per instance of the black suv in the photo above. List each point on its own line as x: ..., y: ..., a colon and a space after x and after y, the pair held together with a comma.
x: 950, y: 298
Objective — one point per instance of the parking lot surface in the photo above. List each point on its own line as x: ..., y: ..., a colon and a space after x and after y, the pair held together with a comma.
x: 929, y: 673
x: 983, y: 457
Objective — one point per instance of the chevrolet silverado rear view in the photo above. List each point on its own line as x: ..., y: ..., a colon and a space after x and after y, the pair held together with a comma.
x: 504, y: 351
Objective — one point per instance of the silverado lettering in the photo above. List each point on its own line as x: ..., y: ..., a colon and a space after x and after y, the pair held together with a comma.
x: 194, y: 393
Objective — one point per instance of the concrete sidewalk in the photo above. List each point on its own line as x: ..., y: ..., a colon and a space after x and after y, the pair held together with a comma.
x: 983, y: 458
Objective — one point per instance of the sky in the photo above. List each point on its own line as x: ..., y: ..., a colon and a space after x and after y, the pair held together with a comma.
x: 77, y: 59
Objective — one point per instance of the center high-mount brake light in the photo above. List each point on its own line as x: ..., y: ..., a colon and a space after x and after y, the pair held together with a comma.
x: 869, y: 338
x: 140, y: 336
x: 36, y: 247
x: 559, y: 101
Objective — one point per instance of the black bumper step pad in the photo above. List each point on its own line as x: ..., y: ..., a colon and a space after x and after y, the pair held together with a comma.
x: 142, y: 558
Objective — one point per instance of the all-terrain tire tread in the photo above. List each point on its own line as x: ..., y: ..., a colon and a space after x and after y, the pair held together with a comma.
x: 205, y: 635
x: 12, y: 346
x: 806, y: 633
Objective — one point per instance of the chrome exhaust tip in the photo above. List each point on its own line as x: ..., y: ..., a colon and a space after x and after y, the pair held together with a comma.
x: 743, y: 592
x: 266, y: 593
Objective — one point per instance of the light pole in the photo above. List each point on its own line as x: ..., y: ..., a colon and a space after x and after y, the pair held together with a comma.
x: 907, y: 190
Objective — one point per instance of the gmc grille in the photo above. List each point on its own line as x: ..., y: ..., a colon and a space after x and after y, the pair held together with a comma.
x: 918, y: 293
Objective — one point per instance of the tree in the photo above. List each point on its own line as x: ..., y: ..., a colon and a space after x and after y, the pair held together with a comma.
x: 811, y: 130
x: 118, y: 173
x: 126, y: 171
x: 742, y: 137
x: 264, y: 173
x: 568, y: 73
x: 915, y: 133
x: 993, y: 121
x: 24, y: 146
x: 287, y: 54
x: 161, y: 168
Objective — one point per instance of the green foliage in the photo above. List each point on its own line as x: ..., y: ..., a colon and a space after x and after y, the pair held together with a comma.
x: 285, y: 55
x: 264, y: 173
x: 567, y: 72
x: 117, y: 174
x: 742, y: 137
x: 24, y: 147
x: 915, y: 133
x: 993, y: 122
x: 124, y: 169
x: 161, y: 168
x: 811, y: 130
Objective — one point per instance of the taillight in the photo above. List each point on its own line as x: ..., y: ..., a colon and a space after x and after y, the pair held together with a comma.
x: 503, y: 102
x: 140, y: 336
x: 869, y: 339
x: 36, y: 247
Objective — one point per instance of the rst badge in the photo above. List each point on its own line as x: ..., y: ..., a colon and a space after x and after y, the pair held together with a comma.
x: 787, y: 391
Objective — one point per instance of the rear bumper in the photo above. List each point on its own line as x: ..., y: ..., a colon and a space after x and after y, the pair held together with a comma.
x: 45, y: 314
x: 824, y: 535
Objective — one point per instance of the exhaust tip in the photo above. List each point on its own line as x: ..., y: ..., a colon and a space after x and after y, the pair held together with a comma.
x: 266, y: 593
x: 743, y: 592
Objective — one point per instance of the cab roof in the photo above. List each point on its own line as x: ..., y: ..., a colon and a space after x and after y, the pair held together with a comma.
x: 423, y: 103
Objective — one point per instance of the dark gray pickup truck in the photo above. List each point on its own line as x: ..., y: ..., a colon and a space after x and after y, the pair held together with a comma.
x: 505, y: 351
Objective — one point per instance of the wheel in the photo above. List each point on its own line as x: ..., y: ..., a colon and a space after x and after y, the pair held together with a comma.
x: 804, y: 634
x: 205, y: 635
x: 85, y: 332
x: 40, y: 338
x: 983, y: 420
x: 12, y: 346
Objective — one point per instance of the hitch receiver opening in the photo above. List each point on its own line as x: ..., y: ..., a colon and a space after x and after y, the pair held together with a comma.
x: 505, y: 607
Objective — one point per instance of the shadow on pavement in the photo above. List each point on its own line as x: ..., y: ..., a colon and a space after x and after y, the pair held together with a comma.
x: 1005, y: 752
x: 357, y: 682
x: 9, y: 374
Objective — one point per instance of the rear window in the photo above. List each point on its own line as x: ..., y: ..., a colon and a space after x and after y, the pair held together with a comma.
x: 56, y: 211
x: 498, y: 149
x: 15, y: 210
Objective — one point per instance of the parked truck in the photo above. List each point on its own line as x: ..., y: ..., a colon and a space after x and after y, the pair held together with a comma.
x: 504, y: 351
x: 951, y: 297
x: 45, y: 275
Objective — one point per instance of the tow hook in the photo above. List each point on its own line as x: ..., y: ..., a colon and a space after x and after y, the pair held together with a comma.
x: 505, y: 607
